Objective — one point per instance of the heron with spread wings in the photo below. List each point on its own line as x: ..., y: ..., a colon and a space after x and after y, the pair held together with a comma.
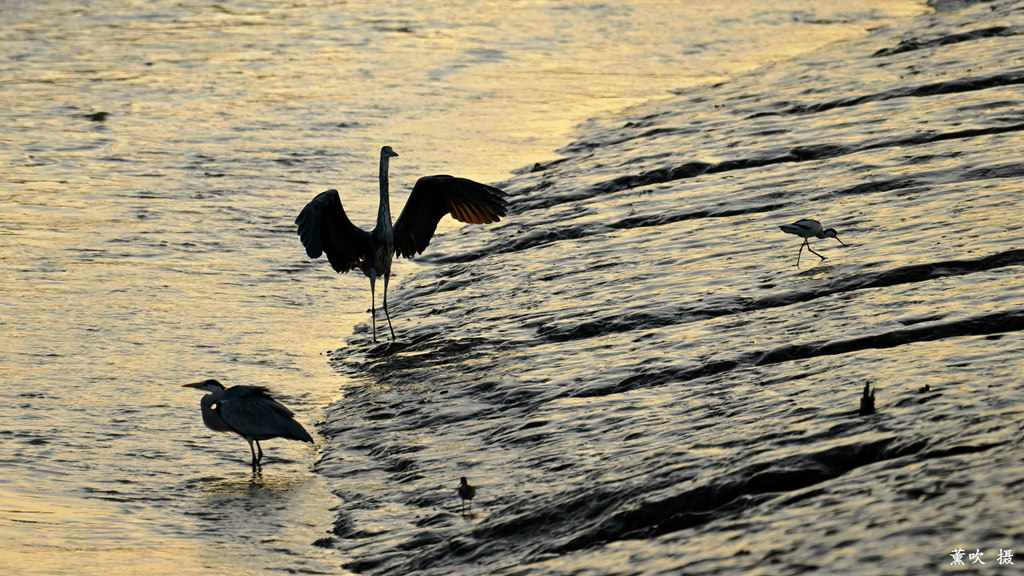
x: 324, y: 227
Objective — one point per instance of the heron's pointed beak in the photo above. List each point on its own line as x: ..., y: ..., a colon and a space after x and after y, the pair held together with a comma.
x: 193, y: 385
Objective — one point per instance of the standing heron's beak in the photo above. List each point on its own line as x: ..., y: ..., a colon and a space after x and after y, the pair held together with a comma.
x: 193, y: 385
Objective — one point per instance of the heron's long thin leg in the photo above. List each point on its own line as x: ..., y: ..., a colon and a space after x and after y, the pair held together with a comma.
x: 260, y: 448
x: 386, y: 314
x: 254, y: 459
x: 373, y: 298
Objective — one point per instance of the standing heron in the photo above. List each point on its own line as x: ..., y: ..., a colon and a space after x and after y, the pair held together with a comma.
x: 324, y: 227
x: 250, y: 412
x: 808, y: 229
x: 466, y: 492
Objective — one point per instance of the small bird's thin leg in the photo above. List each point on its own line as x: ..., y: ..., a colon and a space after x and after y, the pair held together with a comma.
x: 373, y: 298
x: 801, y: 251
x: 813, y: 252
x: 386, y: 314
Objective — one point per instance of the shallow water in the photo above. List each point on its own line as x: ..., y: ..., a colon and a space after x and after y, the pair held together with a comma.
x: 673, y: 393
x: 631, y: 367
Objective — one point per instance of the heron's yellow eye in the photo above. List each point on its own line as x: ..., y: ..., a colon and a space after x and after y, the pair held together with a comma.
x: 214, y: 405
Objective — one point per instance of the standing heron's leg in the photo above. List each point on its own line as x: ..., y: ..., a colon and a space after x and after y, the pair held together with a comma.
x: 260, y: 448
x: 255, y: 460
x: 373, y: 298
x: 387, y: 276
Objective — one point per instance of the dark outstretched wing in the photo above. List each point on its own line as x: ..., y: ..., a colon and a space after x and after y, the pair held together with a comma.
x: 324, y: 227
x: 252, y: 411
x: 434, y: 196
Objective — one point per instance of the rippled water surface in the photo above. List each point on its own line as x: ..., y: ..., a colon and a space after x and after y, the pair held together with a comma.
x: 631, y: 367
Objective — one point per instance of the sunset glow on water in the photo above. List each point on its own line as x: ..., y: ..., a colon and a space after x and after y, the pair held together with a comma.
x: 630, y: 367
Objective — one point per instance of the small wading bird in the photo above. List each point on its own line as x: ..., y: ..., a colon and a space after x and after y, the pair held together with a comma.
x: 324, y: 227
x: 808, y: 229
x: 466, y: 492
x: 250, y: 412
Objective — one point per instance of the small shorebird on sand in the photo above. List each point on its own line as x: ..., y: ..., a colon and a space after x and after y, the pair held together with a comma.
x: 466, y: 492
x: 808, y: 229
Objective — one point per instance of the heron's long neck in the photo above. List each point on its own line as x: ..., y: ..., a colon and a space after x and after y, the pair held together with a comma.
x: 384, y: 211
x: 211, y: 418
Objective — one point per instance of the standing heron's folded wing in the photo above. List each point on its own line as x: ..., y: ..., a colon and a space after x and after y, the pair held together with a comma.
x: 251, y: 411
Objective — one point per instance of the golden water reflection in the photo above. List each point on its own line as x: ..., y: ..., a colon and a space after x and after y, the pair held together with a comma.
x: 155, y: 247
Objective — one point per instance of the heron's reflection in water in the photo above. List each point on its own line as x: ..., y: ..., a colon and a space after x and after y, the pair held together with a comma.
x: 261, y: 508
x: 255, y: 486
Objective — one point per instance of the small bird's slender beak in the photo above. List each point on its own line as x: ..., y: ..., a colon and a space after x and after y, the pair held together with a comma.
x: 840, y: 241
